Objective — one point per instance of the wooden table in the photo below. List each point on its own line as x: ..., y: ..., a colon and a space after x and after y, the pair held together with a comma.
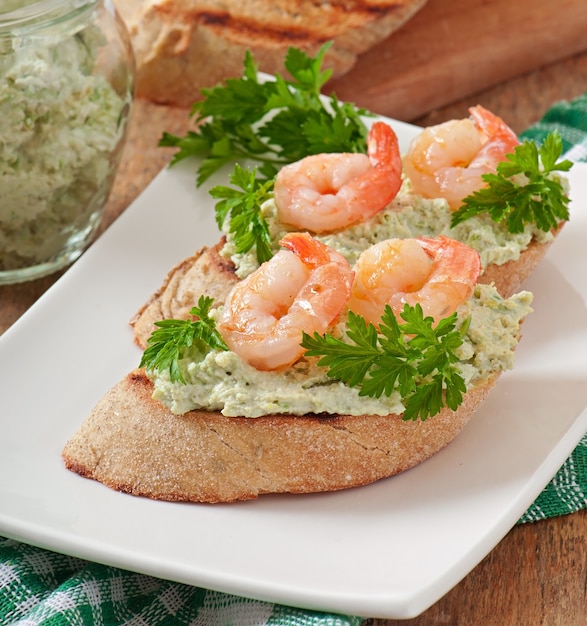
x: 538, y: 574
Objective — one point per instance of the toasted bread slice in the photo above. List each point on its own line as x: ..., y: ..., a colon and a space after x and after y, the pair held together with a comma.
x: 134, y: 444
x: 181, y: 46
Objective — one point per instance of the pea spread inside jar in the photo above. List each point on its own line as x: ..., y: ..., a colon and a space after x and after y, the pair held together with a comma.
x: 61, y: 124
x: 221, y: 381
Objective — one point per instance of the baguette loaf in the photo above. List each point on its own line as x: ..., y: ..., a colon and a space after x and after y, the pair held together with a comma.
x: 181, y: 46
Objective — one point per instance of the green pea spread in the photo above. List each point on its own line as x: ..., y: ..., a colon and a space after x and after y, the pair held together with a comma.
x: 408, y: 215
x: 60, y: 124
x: 222, y: 381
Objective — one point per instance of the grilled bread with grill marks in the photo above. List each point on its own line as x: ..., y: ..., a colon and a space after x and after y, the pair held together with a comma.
x: 181, y: 46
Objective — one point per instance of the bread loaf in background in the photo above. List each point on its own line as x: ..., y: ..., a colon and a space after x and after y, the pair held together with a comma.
x: 183, y: 45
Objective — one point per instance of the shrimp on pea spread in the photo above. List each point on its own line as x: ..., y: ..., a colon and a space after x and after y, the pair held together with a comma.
x: 438, y: 273
x: 307, y: 286
x: 448, y: 160
x: 327, y: 192
x: 304, y: 287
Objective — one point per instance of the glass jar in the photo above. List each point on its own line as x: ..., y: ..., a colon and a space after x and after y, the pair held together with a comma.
x: 66, y: 89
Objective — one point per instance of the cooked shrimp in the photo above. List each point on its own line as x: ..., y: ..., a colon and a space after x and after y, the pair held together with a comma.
x: 304, y: 287
x: 448, y: 160
x: 326, y: 192
x: 438, y: 273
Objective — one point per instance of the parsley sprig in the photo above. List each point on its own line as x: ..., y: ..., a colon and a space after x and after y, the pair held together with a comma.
x: 243, y: 211
x: 270, y: 122
x: 415, y: 357
x: 169, y: 342
x: 523, y: 190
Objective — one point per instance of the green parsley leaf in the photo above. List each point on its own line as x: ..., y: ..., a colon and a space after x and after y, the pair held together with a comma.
x: 523, y: 191
x: 169, y: 342
x: 243, y: 210
x: 271, y: 122
x: 416, y: 358
x: 307, y: 70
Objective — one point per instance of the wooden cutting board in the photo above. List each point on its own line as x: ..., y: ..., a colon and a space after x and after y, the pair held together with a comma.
x: 452, y: 49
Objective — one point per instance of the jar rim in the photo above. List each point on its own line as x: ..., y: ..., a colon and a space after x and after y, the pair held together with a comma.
x: 25, y: 22
x: 24, y: 12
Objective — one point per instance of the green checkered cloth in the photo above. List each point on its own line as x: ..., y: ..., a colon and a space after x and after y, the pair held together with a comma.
x: 42, y: 588
x: 570, y: 120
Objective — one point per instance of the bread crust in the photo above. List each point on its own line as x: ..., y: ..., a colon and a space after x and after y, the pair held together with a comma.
x: 509, y: 277
x: 134, y: 444
x: 204, y: 273
x: 181, y: 46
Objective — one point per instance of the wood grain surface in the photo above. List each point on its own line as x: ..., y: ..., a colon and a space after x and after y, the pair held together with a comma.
x: 452, y: 49
x: 537, y: 575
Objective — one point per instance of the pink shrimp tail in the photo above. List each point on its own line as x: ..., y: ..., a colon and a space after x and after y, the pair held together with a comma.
x: 383, y: 145
x: 384, y: 153
x: 458, y: 259
x: 500, y: 137
x: 309, y: 250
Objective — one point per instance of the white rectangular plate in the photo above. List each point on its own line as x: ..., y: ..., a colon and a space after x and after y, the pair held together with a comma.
x: 387, y: 550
